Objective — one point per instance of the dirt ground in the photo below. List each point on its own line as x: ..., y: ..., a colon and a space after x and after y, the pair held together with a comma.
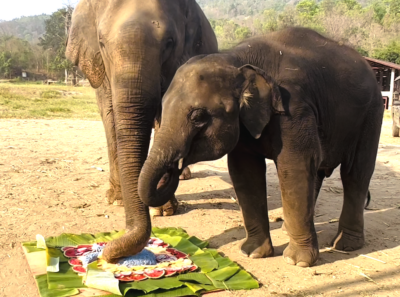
x: 49, y: 184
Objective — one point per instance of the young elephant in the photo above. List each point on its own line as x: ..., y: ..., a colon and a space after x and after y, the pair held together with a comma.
x: 293, y: 96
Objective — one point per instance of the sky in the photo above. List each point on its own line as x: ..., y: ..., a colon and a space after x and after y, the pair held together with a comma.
x: 11, y: 9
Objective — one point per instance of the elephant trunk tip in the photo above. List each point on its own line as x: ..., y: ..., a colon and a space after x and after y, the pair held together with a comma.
x: 157, y: 184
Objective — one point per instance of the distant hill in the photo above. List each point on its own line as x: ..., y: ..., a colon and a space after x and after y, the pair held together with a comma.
x: 27, y: 28
x: 231, y: 9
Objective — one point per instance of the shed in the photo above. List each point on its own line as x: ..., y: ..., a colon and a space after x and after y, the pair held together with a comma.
x: 386, y: 73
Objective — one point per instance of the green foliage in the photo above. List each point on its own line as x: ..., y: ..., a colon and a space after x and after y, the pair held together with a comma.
x: 389, y: 53
x: 368, y: 28
x: 55, y: 38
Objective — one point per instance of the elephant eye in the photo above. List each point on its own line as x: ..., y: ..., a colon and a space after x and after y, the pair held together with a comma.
x: 199, y: 117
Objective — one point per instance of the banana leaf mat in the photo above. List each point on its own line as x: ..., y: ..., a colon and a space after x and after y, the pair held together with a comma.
x: 214, y: 273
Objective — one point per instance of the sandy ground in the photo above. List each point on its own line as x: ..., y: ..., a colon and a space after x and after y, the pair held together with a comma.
x: 48, y: 186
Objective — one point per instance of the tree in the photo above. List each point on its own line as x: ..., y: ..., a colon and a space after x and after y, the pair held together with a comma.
x: 54, y: 39
x: 389, y: 53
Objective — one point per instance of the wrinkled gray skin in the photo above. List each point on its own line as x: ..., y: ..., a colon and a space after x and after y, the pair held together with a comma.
x: 292, y: 96
x: 130, y: 50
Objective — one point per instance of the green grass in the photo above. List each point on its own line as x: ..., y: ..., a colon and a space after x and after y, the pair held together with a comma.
x: 34, y: 101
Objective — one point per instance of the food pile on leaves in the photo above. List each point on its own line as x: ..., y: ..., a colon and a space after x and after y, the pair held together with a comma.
x: 155, y: 261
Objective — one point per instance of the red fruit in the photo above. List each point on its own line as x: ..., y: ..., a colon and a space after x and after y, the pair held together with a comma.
x: 83, y: 250
x: 87, y: 246
x: 177, y: 253
x: 165, y: 245
x: 79, y: 269
x: 68, y: 248
x: 75, y: 262
x: 124, y: 278
x: 137, y: 277
x: 194, y: 268
x: 155, y: 273
x: 71, y: 253
x: 170, y: 272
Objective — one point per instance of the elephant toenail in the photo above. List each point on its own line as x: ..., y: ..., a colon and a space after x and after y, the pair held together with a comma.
x: 303, y: 264
x: 289, y: 260
x: 255, y: 256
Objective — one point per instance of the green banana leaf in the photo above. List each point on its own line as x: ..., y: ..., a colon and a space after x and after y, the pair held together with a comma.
x: 153, y: 284
x: 65, y: 278
x: 102, y: 280
x: 223, y: 274
x: 242, y: 281
x: 217, y: 272
x: 197, y: 277
x: 44, y: 291
x: 183, y: 291
x: 205, y: 261
x: 199, y: 243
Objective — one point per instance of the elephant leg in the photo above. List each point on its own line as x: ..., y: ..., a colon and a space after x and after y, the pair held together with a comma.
x: 104, y: 101
x: 171, y: 206
x: 248, y: 174
x: 356, y: 172
x: 317, y: 188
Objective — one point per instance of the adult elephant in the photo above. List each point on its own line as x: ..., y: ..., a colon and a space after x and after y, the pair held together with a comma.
x: 130, y: 50
x: 293, y: 96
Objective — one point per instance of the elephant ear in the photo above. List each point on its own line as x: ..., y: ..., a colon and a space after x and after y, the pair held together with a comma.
x: 82, y: 45
x: 199, y: 35
x: 260, y: 98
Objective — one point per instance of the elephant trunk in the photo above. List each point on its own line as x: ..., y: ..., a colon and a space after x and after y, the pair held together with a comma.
x: 136, y: 96
x: 159, y: 178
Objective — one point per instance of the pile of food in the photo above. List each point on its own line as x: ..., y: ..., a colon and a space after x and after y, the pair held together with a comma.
x: 155, y: 261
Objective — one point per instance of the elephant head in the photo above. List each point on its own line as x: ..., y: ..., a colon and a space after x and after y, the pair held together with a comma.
x: 209, y: 102
x: 132, y: 48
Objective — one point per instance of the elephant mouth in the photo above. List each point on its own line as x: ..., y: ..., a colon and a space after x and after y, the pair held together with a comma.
x: 168, y: 183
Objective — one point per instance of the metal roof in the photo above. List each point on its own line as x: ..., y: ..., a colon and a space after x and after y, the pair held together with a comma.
x: 384, y: 63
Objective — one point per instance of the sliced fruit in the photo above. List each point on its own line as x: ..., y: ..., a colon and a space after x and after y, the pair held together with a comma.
x: 124, y: 278
x: 75, y: 262
x: 176, y: 253
x: 194, y: 268
x: 126, y: 273
x: 71, y: 253
x: 87, y: 246
x: 68, y: 248
x: 158, y: 242
x: 170, y: 272
x: 83, y: 250
x: 137, y: 277
x: 79, y: 269
x: 155, y: 273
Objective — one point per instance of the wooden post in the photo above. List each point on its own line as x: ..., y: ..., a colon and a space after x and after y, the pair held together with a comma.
x: 391, y: 89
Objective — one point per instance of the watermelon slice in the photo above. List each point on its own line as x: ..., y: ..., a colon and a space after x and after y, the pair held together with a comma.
x: 83, y: 250
x: 123, y: 278
x: 176, y: 253
x: 170, y: 272
x: 79, y: 269
x: 87, y: 246
x: 68, y: 248
x: 71, y: 253
x: 75, y: 262
x: 155, y: 273
x: 138, y: 277
x: 193, y: 268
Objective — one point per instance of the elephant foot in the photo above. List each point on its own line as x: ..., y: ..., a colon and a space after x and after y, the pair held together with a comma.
x: 257, y: 248
x: 301, y: 255
x: 168, y: 209
x: 186, y: 174
x: 114, y: 196
x: 347, y: 240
